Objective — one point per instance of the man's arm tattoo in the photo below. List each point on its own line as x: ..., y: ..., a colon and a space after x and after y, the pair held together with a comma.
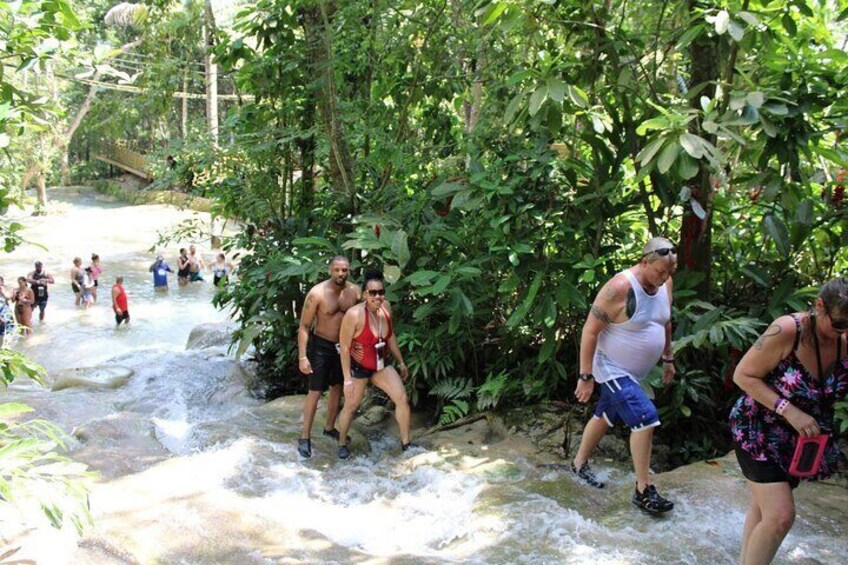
x: 601, y: 315
x: 771, y: 331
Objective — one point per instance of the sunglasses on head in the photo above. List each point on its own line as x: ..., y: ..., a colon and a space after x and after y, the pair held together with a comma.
x: 662, y: 252
x: 839, y: 325
x: 377, y: 292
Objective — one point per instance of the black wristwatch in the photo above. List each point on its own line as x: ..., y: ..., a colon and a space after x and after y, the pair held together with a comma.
x: 586, y: 377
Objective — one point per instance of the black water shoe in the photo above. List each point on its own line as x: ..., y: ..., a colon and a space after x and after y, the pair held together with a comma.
x: 304, y: 447
x: 408, y: 446
x: 344, y: 451
x: 650, y: 501
x: 587, y: 475
x: 334, y: 433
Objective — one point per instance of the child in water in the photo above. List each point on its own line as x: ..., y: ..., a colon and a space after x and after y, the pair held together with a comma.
x: 88, y: 288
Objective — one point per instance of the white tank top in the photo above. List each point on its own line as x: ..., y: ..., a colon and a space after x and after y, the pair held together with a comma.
x: 632, y: 348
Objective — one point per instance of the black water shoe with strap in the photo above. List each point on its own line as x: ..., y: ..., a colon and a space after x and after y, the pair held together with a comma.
x: 333, y: 433
x: 408, y: 446
x: 650, y: 501
x: 587, y: 475
x: 344, y: 451
x: 304, y: 447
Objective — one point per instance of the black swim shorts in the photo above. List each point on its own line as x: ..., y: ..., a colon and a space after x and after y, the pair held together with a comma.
x: 357, y: 371
x: 41, y: 303
x: 762, y: 471
x: 326, y: 363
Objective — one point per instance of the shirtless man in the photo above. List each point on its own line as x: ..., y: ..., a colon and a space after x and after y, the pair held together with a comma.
x: 196, y: 264
x: 317, y: 345
x: 38, y: 280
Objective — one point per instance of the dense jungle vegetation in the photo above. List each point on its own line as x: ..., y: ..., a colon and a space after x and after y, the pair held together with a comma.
x: 498, y: 160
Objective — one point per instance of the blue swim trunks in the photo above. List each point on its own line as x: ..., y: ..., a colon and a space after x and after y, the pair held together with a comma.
x: 623, y: 400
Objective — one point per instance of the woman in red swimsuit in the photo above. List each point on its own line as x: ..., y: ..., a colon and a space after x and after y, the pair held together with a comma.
x: 365, y: 334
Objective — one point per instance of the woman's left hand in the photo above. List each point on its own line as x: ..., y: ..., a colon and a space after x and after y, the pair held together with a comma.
x: 404, y: 371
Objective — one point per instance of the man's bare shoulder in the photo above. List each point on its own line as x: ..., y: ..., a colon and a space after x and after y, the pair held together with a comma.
x: 615, y: 289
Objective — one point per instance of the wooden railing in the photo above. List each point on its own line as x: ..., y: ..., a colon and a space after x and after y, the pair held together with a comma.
x: 119, y: 154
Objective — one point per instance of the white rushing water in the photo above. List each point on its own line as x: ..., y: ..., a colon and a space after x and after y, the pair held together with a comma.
x: 195, y: 470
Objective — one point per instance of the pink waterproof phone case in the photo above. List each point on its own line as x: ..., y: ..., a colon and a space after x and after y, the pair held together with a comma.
x: 808, y: 455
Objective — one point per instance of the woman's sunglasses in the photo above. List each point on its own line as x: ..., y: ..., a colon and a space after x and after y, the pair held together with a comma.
x: 378, y: 292
x: 662, y: 252
x: 840, y: 325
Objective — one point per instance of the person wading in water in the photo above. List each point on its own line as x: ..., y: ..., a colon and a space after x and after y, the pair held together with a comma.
x: 318, y: 350
x: 627, y: 331
x: 366, y: 333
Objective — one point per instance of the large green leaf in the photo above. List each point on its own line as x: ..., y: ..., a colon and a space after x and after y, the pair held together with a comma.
x: 776, y: 229
x: 537, y: 99
x: 668, y: 156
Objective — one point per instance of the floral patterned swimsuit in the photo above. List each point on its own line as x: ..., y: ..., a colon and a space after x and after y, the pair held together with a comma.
x: 766, y: 436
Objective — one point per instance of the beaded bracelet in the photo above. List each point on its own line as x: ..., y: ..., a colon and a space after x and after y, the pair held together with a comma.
x: 781, y: 406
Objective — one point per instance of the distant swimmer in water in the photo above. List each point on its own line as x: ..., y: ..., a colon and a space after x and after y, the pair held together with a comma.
x: 183, y: 267
x: 221, y: 270
x: 87, y: 288
x: 38, y: 280
x: 160, y: 271
x: 23, y: 299
x: 96, y: 269
x: 119, y: 302
x: 196, y: 264
x: 77, y: 278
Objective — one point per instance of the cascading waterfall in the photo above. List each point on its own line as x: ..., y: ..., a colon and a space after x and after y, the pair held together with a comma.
x: 195, y: 470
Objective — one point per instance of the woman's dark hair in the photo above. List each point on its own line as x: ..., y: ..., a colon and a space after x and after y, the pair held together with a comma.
x: 372, y: 275
x: 834, y: 295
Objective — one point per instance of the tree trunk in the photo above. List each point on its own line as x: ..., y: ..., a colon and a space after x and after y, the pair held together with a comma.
x: 211, y: 74
x: 318, y: 31
x: 42, y: 192
x: 696, y: 231
x: 307, y: 154
x: 184, y: 107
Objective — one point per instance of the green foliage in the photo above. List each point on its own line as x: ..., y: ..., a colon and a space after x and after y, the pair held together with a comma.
x: 500, y: 161
x: 31, y: 469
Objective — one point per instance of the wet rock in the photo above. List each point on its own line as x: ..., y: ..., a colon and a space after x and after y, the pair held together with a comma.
x: 210, y: 335
x: 546, y: 426
x: 373, y: 416
x: 613, y: 447
x: 111, y: 376
x: 118, y: 444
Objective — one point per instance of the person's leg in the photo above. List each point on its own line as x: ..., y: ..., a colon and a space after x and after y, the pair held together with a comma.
x: 333, y: 401
x: 310, y: 406
x: 640, y: 450
x: 777, y: 509
x: 42, y: 304
x: 592, y: 434
x: 390, y: 382
x: 753, y: 518
x: 353, y: 394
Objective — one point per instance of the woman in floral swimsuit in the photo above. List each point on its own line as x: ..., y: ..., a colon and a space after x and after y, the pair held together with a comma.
x: 792, y: 376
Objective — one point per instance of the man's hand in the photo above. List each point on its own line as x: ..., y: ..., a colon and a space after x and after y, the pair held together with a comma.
x: 404, y: 372
x: 584, y: 390
x: 668, y: 373
x: 304, y: 366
